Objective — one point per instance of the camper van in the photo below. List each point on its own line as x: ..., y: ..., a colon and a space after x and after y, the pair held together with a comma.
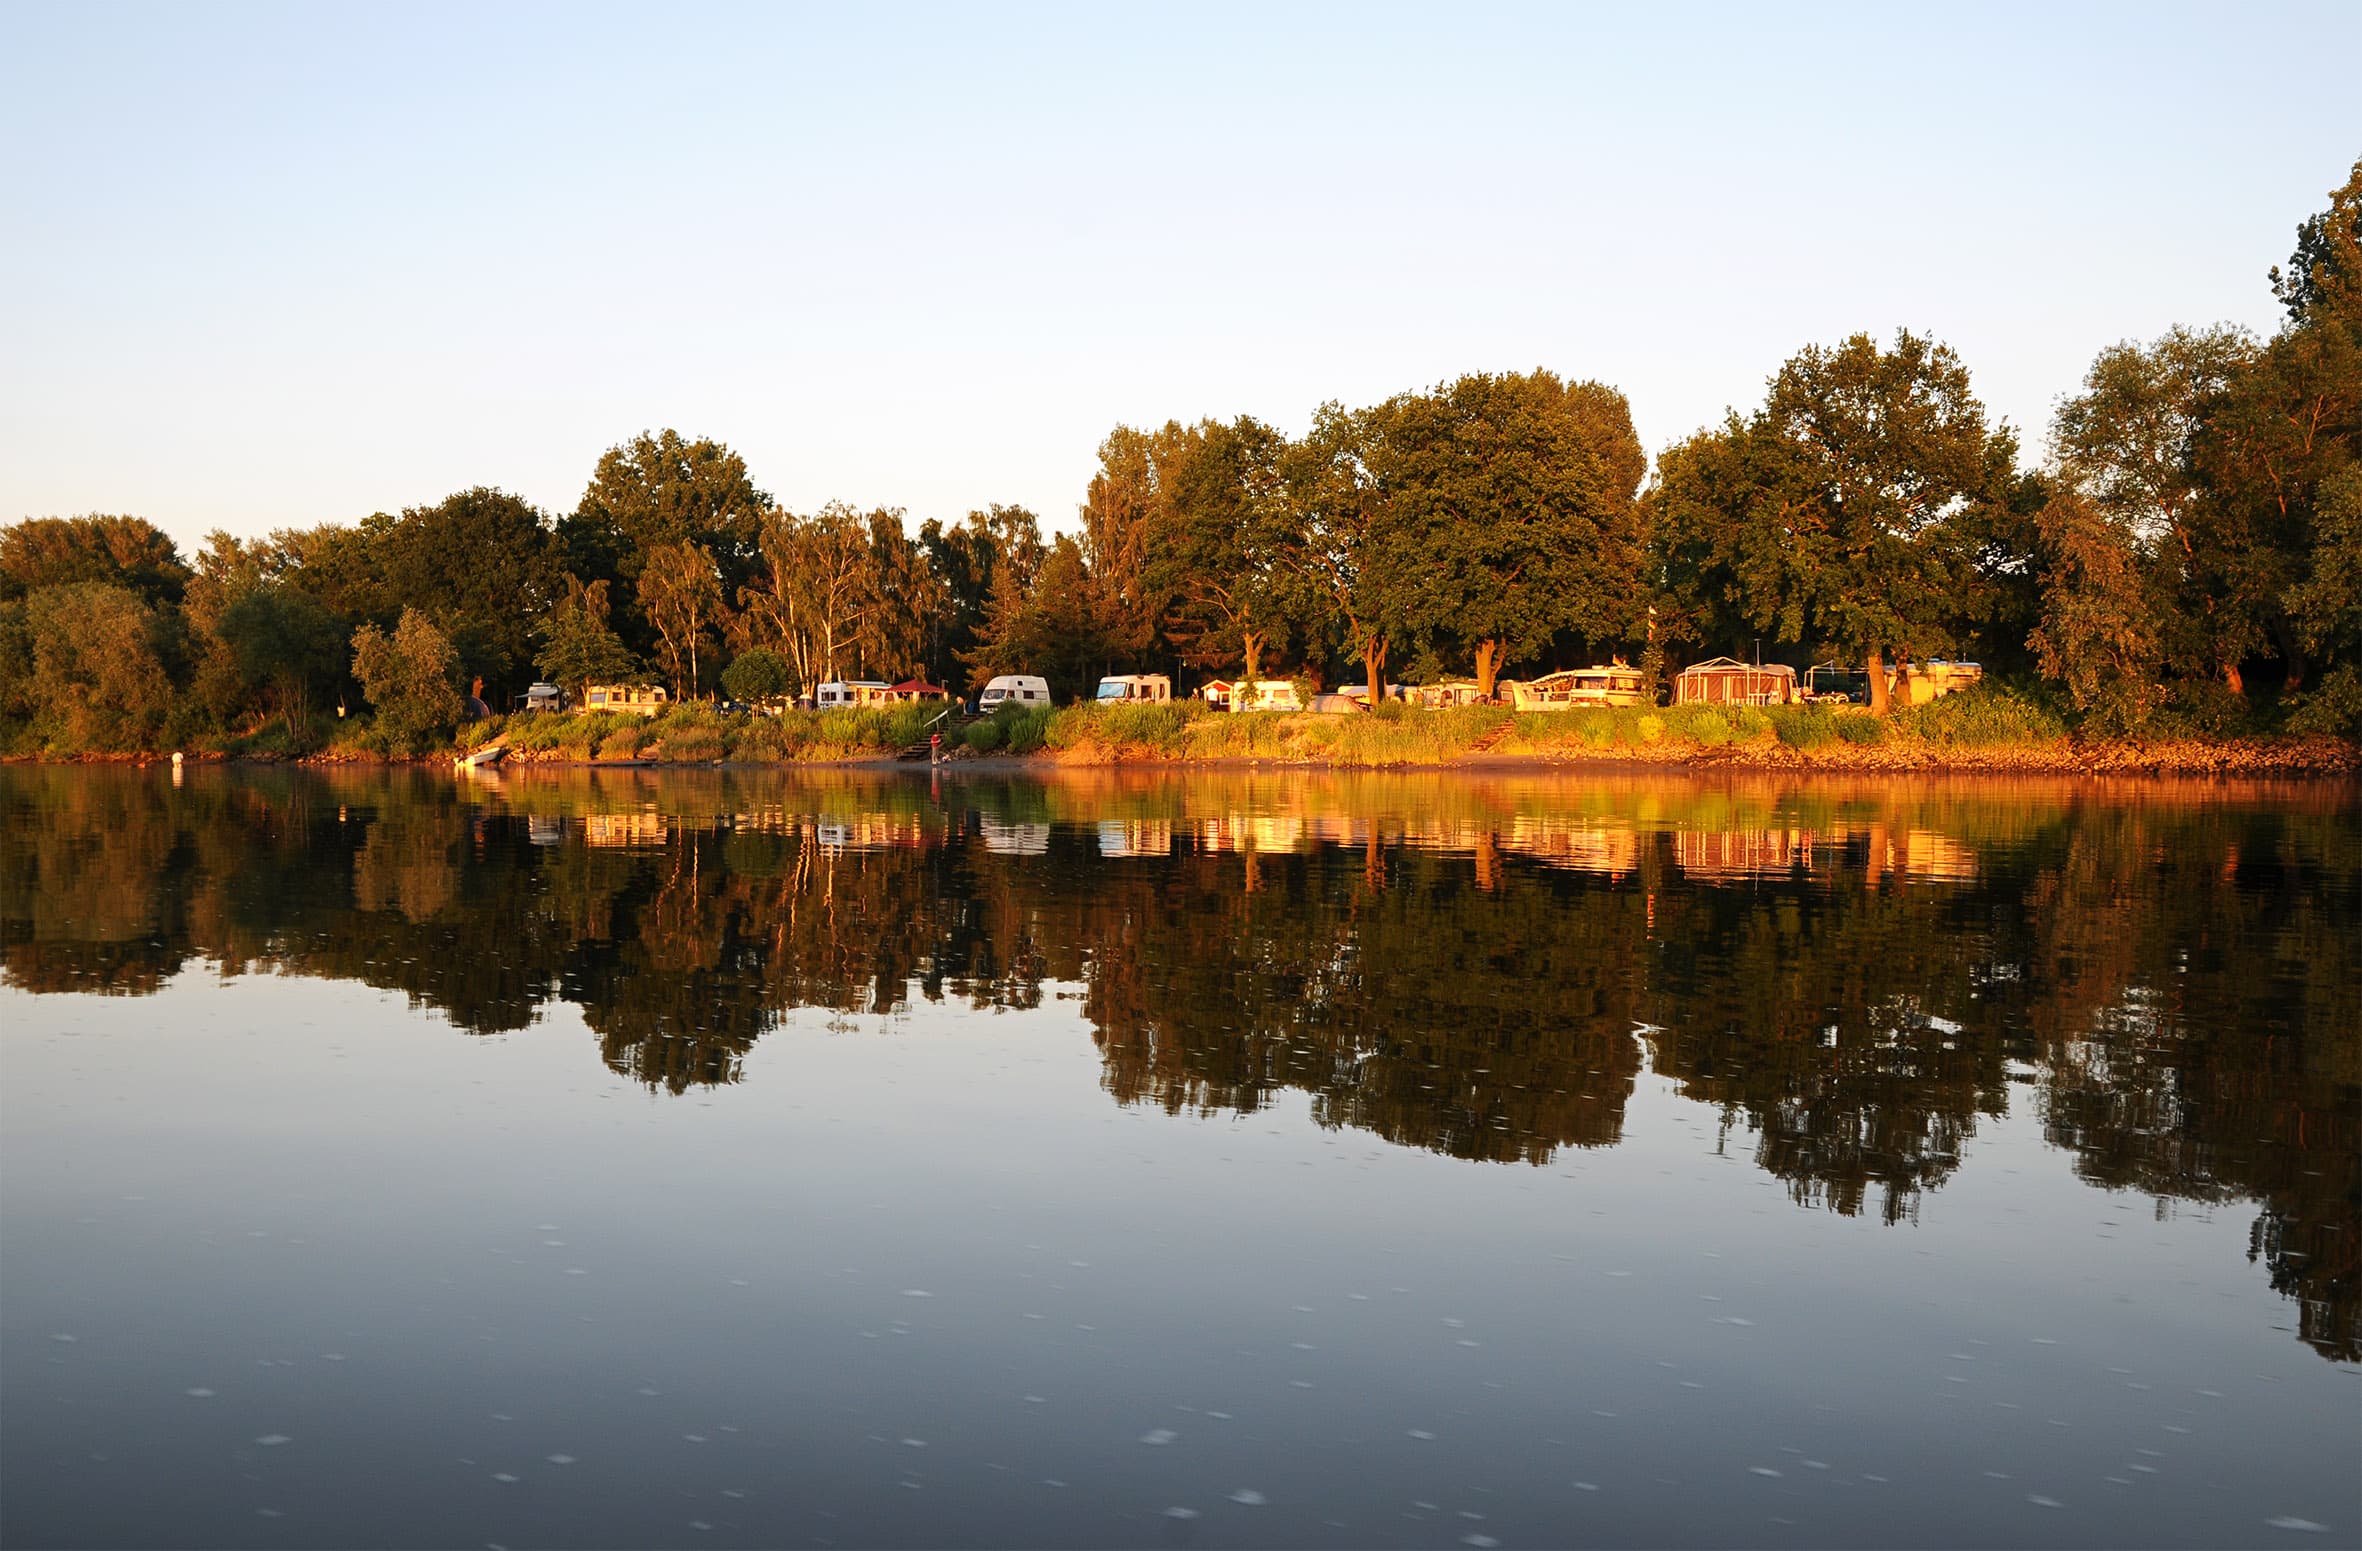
x: 542, y: 697
x: 838, y: 693
x: 1023, y: 689
x: 1134, y: 686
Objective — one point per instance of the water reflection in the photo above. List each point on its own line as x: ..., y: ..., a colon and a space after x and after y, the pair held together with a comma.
x: 1851, y: 975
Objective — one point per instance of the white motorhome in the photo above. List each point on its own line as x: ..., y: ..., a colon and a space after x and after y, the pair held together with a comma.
x: 1135, y: 686
x: 1265, y: 695
x: 1019, y: 689
x: 849, y: 692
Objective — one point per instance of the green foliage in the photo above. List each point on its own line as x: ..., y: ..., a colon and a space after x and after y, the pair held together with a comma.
x: 577, y: 647
x: 1861, y: 729
x: 984, y: 736
x: 1804, y: 727
x: 126, y: 552
x: 408, y: 677
x: 1029, y: 729
x: 1990, y: 715
x: 93, y: 668
x: 1509, y: 518
x: 2334, y: 706
x: 758, y: 676
x: 288, y: 645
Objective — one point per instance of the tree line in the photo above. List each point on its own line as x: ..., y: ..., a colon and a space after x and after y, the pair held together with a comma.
x: 2187, y: 554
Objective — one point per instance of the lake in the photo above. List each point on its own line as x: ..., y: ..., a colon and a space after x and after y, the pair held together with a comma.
x: 754, y: 1158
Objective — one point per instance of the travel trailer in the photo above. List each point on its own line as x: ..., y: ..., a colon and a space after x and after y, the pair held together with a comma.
x: 838, y: 693
x: 1261, y: 695
x: 1153, y: 687
x: 1922, y: 682
x: 638, y: 699
x: 542, y: 697
x: 1022, y: 689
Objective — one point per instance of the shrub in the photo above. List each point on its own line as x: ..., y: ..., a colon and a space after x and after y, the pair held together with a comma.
x: 1982, y: 717
x: 1027, y: 729
x: 622, y: 743
x: 1804, y: 726
x: 1860, y: 728
x: 2332, y: 706
x: 984, y: 736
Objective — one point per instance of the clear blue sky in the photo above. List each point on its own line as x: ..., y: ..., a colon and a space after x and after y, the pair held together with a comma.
x: 266, y: 266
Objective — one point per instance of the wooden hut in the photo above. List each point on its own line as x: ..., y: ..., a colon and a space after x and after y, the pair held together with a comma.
x: 1728, y: 681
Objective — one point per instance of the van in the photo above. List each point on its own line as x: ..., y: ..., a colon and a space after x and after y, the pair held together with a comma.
x: 1150, y: 687
x: 1014, y: 689
x: 849, y: 692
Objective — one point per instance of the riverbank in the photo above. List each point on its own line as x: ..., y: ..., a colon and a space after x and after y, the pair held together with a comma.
x: 1968, y: 734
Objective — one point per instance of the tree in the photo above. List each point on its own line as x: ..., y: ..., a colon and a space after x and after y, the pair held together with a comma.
x: 1120, y: 511
x: 287, y: 644
x: 2098, y: 632
x: 759, y: 676
x: 126, y: 552
x: 681, y: 594
x: 482, y: 564
x: 1848, y: 510
x: 661, y: 489
x: 97, y: 666
x: 410, y: 677
x: 1217, y: 542
x: 1510, y: 515
x: 1333, y: 552
x: 1050, y: 629
x: 577, y: 648
x: 969, y: 559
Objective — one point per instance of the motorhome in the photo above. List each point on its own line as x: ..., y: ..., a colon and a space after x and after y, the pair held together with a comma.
x: 838, y: 693
x: 1613, y: 685
x: 1922, y: 682
x: 542, y: 697
x: 637, y: 699
x: 1151, y: 687
x: 1019, y: 689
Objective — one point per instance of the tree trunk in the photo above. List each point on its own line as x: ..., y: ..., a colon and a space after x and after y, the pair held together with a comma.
x: 2231, y: 676
x: 1488, y: 667
x: 1253, y: 642
x: 1374, y: 657
x: 1878, y: 697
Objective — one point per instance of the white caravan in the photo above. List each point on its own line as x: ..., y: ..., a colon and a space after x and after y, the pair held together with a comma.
x: 1022, y: 689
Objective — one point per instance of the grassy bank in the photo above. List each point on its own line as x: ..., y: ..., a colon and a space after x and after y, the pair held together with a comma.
x: 1991, y: 728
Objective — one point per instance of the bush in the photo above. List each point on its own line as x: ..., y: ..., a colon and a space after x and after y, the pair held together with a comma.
x: 1027, y: 729
x: 984, y: 736
x: 2333, y: 706
x: 622, y: 743
x: 1804, y: 726
x: 1982, y: 717
x: 1860, y: 728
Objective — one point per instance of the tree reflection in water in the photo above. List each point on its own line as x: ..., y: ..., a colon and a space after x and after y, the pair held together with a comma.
x: 1851, y: 973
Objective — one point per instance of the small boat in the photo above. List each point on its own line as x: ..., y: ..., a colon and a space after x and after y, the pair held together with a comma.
x: 481, y: 759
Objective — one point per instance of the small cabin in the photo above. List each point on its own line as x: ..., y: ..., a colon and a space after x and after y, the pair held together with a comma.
x: 634, y: 699
x: 1728, y: 681
x: 912, y: 691
x: 1151, y: 687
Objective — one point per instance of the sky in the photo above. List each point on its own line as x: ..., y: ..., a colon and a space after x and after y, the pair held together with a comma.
x: 270, y: 266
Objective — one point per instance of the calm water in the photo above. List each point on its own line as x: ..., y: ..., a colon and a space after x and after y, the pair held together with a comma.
x: 741, y: 1159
